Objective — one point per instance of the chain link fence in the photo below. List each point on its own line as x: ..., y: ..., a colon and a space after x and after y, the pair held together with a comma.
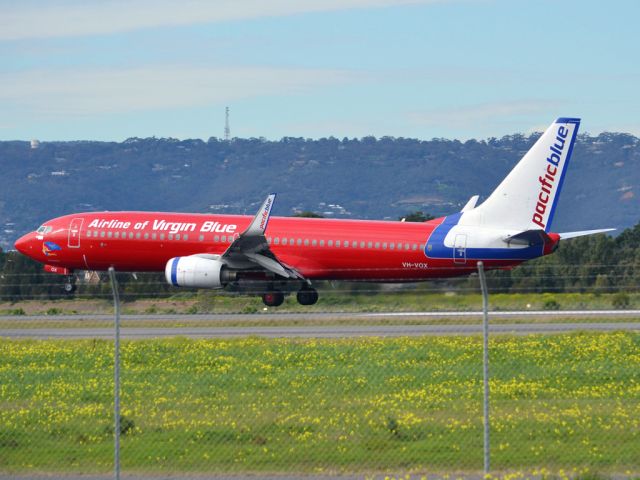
x: 373, y: 381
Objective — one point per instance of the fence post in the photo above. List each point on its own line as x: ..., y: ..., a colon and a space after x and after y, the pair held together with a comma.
x: 485, y: 364
x: 116, y: 392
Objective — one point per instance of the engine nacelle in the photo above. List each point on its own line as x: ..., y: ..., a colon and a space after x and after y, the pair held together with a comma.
x: 196, y: 272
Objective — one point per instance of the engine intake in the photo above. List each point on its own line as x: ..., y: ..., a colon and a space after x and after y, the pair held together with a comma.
x: 196, y: 272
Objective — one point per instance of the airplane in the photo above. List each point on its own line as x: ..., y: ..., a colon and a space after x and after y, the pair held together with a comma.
x: 273, y: 256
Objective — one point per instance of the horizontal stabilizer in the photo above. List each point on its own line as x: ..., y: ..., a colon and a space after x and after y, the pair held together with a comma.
x: 567, y: 235
x: 528, y: 237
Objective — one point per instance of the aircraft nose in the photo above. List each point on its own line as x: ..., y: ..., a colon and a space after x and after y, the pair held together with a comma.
x: 24, y: 244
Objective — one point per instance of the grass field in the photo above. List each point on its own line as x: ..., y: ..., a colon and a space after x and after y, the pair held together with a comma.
x: 352, y: 405
x: 406, y: 299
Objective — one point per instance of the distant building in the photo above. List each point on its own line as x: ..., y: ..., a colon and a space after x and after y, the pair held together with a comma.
x: 35, y: 144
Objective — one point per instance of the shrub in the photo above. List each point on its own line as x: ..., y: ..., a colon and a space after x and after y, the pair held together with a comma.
x: 621, y: 301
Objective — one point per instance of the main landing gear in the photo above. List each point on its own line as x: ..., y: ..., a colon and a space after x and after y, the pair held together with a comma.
x: 273, y: 299
x: 306, y: 296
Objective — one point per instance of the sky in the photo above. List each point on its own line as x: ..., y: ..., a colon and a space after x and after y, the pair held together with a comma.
x: 114, y: 69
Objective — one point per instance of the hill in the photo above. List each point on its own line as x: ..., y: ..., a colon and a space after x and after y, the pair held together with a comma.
x: 348, y: 178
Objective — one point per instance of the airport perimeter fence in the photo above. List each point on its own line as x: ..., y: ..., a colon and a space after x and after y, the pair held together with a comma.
x: 378, y: 381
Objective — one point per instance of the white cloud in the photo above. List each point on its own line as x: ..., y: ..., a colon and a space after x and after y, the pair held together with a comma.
x: 22, y: 20
x: 89, y: 92
x: 474, y: 115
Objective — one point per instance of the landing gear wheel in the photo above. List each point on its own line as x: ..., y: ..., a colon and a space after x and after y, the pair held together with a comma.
x: 69, y: 288
x: 273, y: 299
x: 307, y: 296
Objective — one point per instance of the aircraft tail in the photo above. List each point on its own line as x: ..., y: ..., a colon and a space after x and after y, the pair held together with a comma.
x: 527, y: 198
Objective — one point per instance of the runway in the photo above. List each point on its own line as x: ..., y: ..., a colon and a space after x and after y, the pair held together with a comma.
x: 328, y: 331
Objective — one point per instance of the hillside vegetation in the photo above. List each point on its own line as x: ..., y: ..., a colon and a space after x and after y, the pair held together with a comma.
x: 349, y: 178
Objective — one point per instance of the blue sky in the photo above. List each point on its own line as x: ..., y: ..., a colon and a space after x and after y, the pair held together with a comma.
x: 462, y: 69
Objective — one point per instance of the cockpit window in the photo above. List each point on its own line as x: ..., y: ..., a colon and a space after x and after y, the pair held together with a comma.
x: 44, y: 229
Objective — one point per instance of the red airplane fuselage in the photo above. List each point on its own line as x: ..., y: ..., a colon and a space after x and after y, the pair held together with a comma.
x: 317, y: 248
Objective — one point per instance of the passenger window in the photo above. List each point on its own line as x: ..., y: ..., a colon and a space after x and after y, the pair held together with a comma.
x: 146, y: 236
x: 162, y: 236
x: 392, y: 246
x: 216, y: 238
x: 116, y: 235
x: 299, y: 242
x: 170, y: 236
x: 154, y: 236
x: 384, y: 245
x: 377, y: 244
x: 361, y: 244
x: 102, y: 234
x: 407, y: 246
x: 314, y: 242
x: 130, y: 235
x: 109, y: 234
x: 224, y: 238
x: 330, y: 243
x: 276, y: 241
x: 369, y: 244
x: 201, y: 238
x: 415, y: 247
x: 322, y: 243
x: 337, y: 243
x: 268, y: 240
x: 284, y: 241
x: 88, y: 233
x: 291, y: 241
x: 177, y: 236
x: 306, y: 242
x: 138, y: 236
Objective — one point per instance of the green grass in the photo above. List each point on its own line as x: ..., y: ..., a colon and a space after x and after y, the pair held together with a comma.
x: 348, y: 405
x: 405, y: 299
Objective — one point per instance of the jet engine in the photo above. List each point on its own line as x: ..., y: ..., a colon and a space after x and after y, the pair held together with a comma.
x: 196, y: 272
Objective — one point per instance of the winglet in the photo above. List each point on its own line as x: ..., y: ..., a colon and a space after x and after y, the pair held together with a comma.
x: 259, y: 223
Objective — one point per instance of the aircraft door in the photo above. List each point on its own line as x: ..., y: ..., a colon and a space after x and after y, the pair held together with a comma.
x: 74, y: 232
x: 460, y: 250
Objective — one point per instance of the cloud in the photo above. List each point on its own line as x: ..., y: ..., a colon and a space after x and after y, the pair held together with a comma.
x: 100, y: 91
x: 474, y: 115
x: 71, y: 18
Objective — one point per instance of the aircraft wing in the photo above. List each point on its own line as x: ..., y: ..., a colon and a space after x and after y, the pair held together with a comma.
x: 251, y: 246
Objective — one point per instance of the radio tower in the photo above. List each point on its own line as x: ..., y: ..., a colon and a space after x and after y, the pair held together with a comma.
x: 227, y: 130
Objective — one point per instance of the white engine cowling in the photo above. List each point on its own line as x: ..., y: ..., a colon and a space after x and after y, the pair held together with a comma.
x: 195, y: 272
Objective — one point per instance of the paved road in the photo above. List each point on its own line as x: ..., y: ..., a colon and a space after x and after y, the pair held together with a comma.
x: 322, y: 331
x: 311, y: 316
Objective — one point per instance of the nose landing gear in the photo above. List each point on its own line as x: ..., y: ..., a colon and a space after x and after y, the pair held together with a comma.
x: 70, y: 285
